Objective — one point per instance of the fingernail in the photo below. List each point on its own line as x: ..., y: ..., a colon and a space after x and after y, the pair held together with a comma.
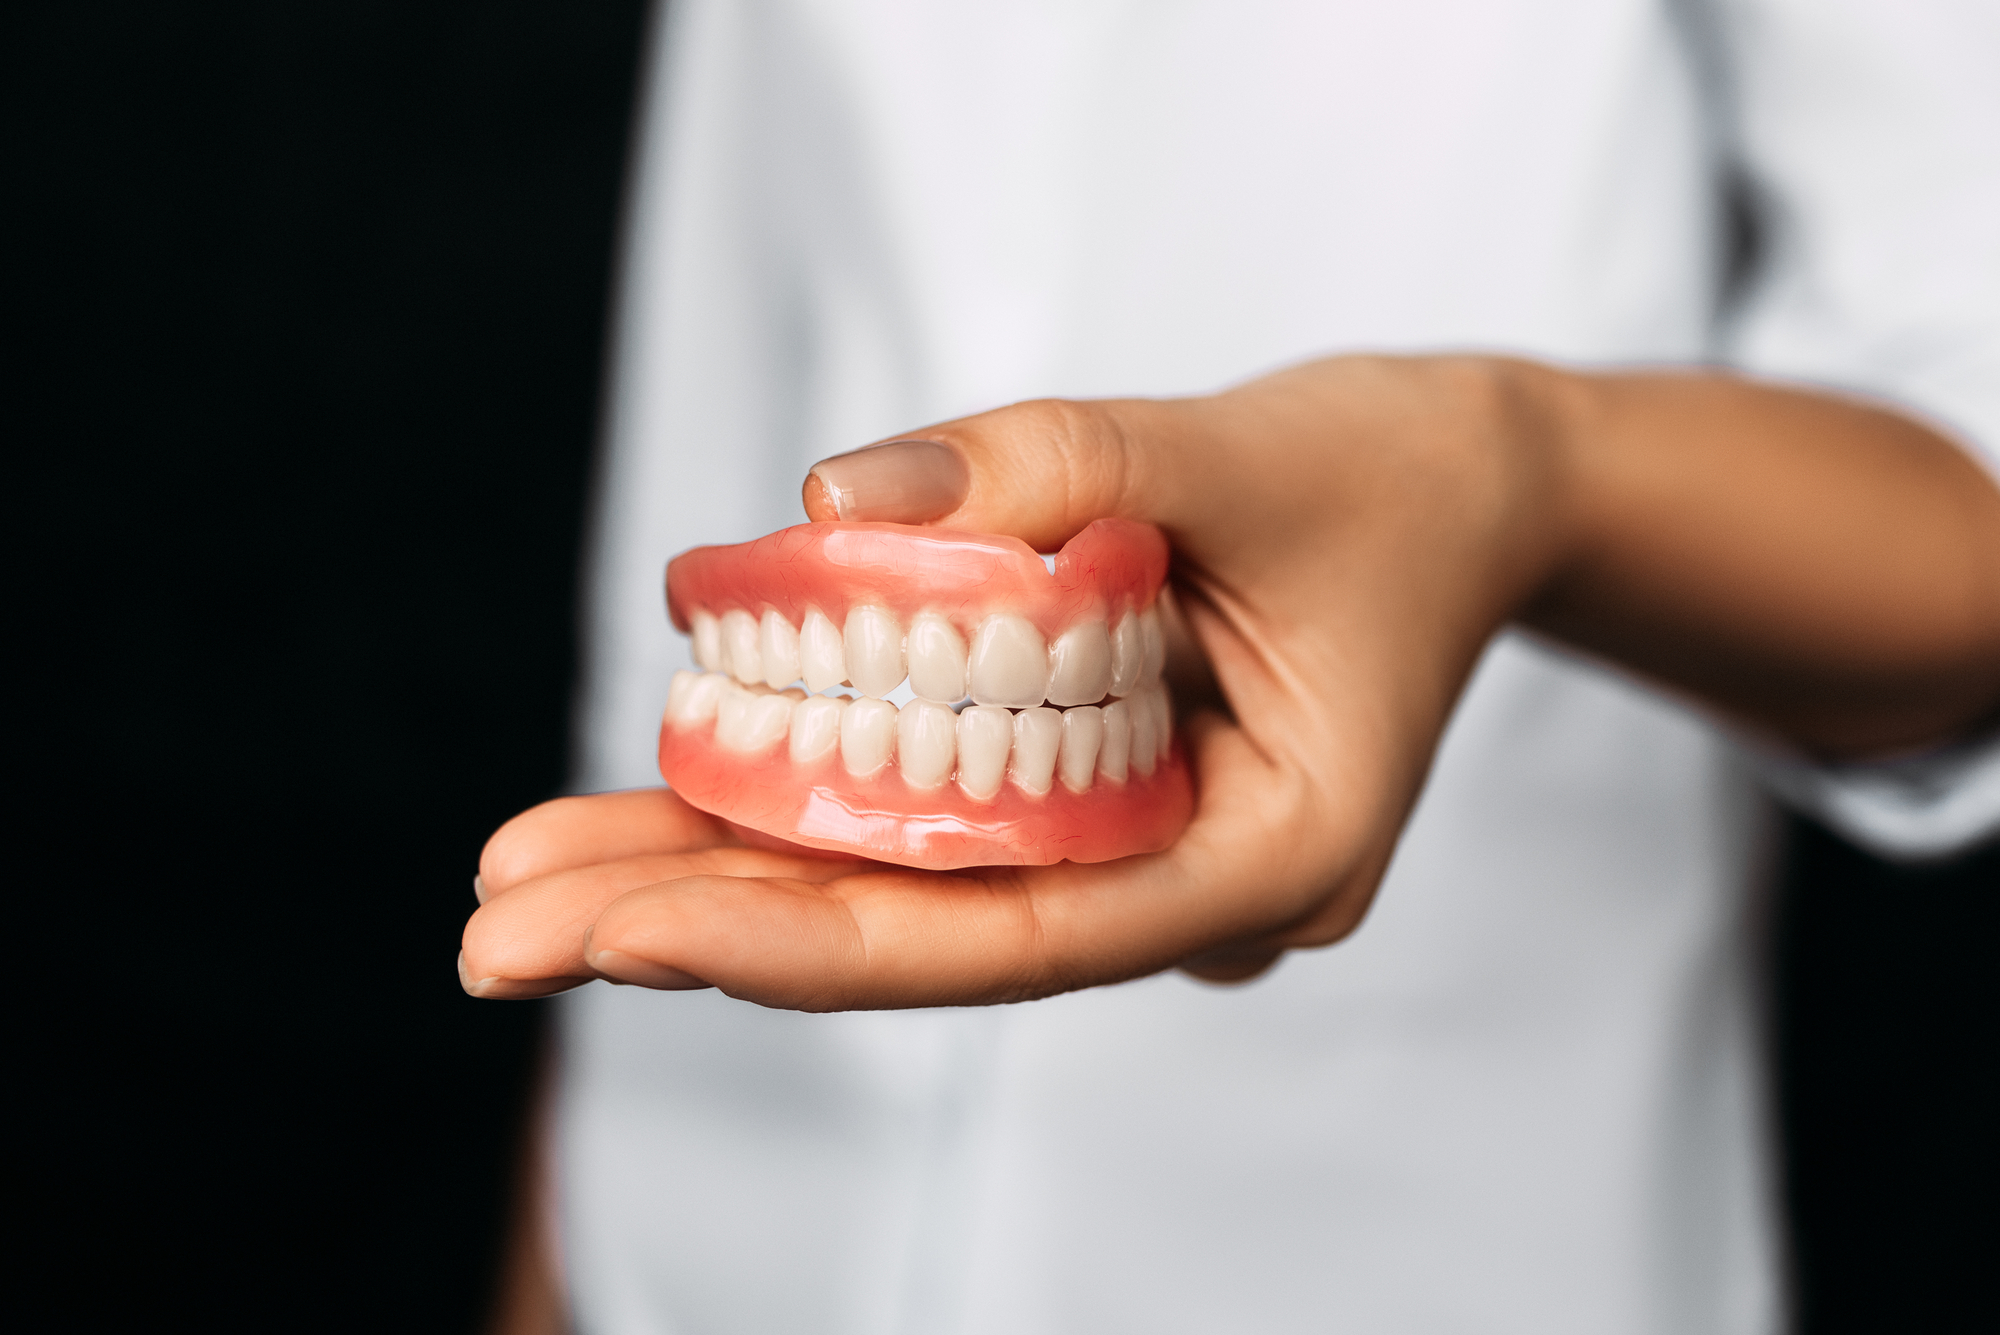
x: 513, y: 989
x: 479, y: 888
x: 620, y: 967
x: 902, y: 482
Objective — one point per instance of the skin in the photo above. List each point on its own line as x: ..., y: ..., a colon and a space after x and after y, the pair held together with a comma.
x: 1348, y: 535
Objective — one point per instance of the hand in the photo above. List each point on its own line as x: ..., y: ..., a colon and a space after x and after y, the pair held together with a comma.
x: 1347, y: 536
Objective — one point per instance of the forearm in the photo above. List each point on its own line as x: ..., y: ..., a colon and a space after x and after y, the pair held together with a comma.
x: 1817, y: 566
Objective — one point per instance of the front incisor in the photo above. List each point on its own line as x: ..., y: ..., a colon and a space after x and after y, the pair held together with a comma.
x: 985, y: 737
x: 822, y: 661
x: 780, y: 646
x: 1128, y: 655
x: 1080, y: 665
x: 707, y: 634
x: 1009, y: 662
x: 873, y: 643
x: 742, y: 654
x: 1082, y: 738
x: 867, y: 736
x: 1037, y: 739
x: 1115, y: 754
x: 937, y: 659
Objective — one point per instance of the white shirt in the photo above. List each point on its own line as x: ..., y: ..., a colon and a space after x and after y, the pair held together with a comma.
x: 1528, y: 1094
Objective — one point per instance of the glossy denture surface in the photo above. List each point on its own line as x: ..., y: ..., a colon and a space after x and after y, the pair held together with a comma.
x: 1039, y: 728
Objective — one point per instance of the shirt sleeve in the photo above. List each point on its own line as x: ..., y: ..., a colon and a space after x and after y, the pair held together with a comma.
x: 1868, y: 132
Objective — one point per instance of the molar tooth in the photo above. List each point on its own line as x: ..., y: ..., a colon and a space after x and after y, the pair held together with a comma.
x: 1080, y: 665
x: 1128, y: 655
x: 693, y: 696
x: 1037, y: 738
x: 1009, y: 662
x: 707, y: 633
x: 821, y: 658
x: 985, y: 736
x: 937, y: 659
x: 780, y: 645
x: 1116, y: 753
x: 1082, y: 736
x: 867, y: 736
x: 1156, y: 644
x: 873, y: 643
x: 752, y: 721
x: 1145, y: 734
x: 815, y: 727
x: 926, y: 743
x: 742, y: 658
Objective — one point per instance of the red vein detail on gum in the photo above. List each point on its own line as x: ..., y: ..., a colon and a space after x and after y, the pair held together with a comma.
x: 1112, y: 564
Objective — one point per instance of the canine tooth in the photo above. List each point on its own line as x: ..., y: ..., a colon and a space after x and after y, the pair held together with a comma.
x: 1116, y: 753
x: 821, y: 659
x: 707, y: 632
x: 1037, y: 738
x: 1010, y: 663
x: 1080, y: 665
x: 693, y: 696
x: 1156, y: 644
x: 1082, y: 736
x: 985, y: 736
x: 937, y: 659
x: 1145, y: 734
x: 780, y: 645
x: 815, y: 727
x: 867, y: 736
x: 926, y: 743
x: 1128, y: 655
x: 742, y: 656
x: 873, y: 643
x: 750, y: 721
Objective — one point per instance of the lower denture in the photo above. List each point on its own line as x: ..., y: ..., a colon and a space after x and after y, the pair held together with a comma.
x: 1040, y: 729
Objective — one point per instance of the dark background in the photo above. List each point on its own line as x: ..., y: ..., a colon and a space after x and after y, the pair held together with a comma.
x: 311, y: 326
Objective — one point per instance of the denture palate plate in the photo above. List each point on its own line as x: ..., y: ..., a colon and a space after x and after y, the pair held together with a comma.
x: 867, y: 736
x: 1080, y: 665
x: 873, y: 644
x: 743, y: 657
x: 937, y: 659
x: 985, y: 740
x: 1009, y: 663
x: 822, y: 660
x: 815, y: 727
x: 1082, y: 738
x: 1037, y: 740
x: 779, y: 643
x: 926, y: 743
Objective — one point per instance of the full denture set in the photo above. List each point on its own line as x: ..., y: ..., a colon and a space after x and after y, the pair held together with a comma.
x: 1038, y: 730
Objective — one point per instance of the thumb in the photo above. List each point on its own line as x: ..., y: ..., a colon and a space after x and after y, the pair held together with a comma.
x: 1038, y: 471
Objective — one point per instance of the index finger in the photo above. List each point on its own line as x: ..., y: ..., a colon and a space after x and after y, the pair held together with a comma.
x: 584, y: 831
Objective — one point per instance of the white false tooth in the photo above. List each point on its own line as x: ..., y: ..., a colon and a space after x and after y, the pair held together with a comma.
x: 1128, y: 655
x: 694, y: 695
x: 1116, y: 753
x: 821, y: 659
x: 815, y: 727
x: 867, y: 736
x: 1163, y: 720
x: 1010, y: 663
x: 1156, y: 644
x: 926, y: 743
x: 742, y: 656
x: 752, y: 721
x: 707, y: 632
x: 1145, y: 734
x: 1037, y: 739
x: 1080, y: 665
x: 937, y: 659
x: 985, y: 736
x: 873, y: 643
x: 780, y: 646
x: 1082, y: 737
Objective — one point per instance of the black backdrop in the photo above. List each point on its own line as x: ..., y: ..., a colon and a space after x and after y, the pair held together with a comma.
x: 310, y: 338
